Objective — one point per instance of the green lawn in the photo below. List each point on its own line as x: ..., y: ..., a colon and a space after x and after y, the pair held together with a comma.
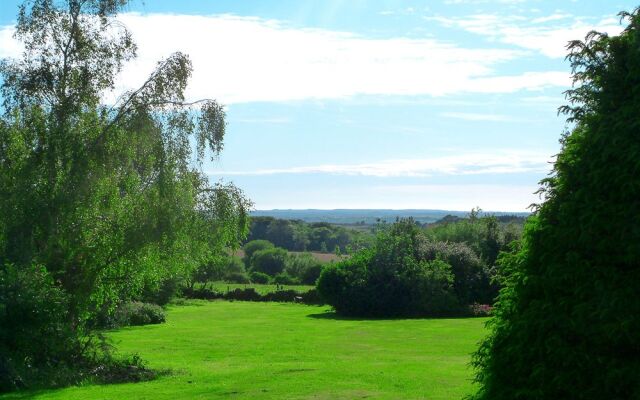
x: 222, y: 350
x: 223, y: 287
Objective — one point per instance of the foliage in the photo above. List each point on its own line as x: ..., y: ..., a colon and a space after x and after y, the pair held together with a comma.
x: 284, y: 279
x: 237, y: 277
x: 304, y: 268
x: 108, y: 199
x: 255, y: 245
x: 296, y: 235
x: 391, y: 279
x: 259, y: 277
x: 485, y: 235
x: 269, y: 261
x: 36, y: 341
x: 566, y: 324
x: 310, y: 275
x: 138, y: 313
x: 471, y: 278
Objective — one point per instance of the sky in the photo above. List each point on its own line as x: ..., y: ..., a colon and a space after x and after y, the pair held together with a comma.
x: 447, y: 104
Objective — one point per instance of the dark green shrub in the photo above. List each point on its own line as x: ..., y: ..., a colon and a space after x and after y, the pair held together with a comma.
x: 237, y: 277
x: 138, y: 313
x: 284, y: 279
x: 37, y: 342
x: 311, y: 297
x: 472, y: 280
x: 390, y: 279
x: 310, y: 275
x: 259, y: 277
x: 269, y: 261
x: 253, y: 246
x: 248, y: 294
x: 297, y: 265
x: 281, y: 296
x: 567, y: 322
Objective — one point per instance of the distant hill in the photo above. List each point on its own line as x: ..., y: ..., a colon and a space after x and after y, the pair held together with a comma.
x: 370, y: 216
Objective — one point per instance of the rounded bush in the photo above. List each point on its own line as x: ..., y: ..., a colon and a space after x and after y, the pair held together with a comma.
x: 259, y: 277
x: 139, y: 313
x: 269, y: 261
x: 390, y: 279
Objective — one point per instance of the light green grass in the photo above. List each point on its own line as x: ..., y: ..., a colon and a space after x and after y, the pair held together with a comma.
x: 223, y: 287
x: 242, y: 350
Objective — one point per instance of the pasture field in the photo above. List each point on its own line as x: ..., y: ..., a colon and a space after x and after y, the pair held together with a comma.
x: 243, y: 350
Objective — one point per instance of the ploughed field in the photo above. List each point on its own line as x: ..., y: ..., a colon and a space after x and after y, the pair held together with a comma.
x: 243, y: 350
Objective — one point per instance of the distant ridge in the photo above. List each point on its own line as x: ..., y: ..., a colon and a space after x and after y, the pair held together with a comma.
x: 369, y: 216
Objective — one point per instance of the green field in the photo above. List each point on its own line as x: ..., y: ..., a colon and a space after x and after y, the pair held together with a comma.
x: 223, y: 287
x: 222, y: 350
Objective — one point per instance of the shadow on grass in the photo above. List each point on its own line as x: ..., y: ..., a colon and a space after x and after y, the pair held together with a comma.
x: 40, y: 391
x: 332, y: 315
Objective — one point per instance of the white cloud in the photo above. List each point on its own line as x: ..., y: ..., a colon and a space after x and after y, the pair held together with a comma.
x: 533, y: 34
x: 499, y: 162
x: 8, y: 46
x: 246, y: 59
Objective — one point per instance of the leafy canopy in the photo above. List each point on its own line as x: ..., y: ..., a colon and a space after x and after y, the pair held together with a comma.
x: 107, y: 197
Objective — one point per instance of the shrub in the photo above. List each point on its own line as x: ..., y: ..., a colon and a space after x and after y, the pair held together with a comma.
x: 259, y: 277
x: 567, y: 323
x: 269, y: 261
x: 284, y: 279
x: 472, y: 280
x: 237, y: 277
x: 298, y: 264
x: 253, y: 246
x: 310, y: 275
x: 390, y: 280
x: 248, y: 294
x: 138, y: 313
x: 37, y: 343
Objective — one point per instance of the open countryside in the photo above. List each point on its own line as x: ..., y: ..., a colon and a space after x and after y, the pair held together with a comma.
x: 309, y: 199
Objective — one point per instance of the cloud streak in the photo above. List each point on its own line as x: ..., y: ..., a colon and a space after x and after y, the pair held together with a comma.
x: 547, y: 35
x: 506, y: 162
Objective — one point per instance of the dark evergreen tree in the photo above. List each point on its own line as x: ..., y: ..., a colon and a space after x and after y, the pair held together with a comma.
x: 567, y: 324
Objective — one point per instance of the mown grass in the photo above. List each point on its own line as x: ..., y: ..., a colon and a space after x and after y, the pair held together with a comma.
x: 223, y: 287
x: 222, y: 350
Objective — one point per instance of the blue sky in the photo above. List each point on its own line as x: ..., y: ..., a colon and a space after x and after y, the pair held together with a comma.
x: 444, y: 104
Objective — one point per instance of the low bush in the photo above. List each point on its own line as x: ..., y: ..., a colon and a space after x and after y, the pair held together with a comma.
x: 391, y: 279
x: 129, y: 369
x: 269, y: 261
x: 259, y: 277
x: 37, y: 342
x: 138, y: 313
x: 250, y: 294
x: 310, y: 275
x: 285, y: 279
x: 237, y: 277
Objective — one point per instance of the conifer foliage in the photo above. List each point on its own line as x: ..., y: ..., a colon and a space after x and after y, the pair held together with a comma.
x: 567, y: 324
